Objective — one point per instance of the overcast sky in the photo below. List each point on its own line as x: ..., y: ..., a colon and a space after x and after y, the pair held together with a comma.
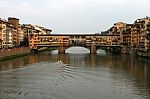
x: 75, y: 16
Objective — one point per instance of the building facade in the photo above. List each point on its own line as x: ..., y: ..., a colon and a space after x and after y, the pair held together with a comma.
x: 14, y: 34
x: 6, y: 31
x: 132, y: 36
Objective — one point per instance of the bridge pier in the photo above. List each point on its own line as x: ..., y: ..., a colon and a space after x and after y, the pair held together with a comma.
x: 61, y: 50
x: 34, y: 51
x: 93, y: 49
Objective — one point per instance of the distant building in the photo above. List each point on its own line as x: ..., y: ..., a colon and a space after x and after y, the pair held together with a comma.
x: 136, y: 35
x: 6, y: 31
x: 2, y: 32
x: 140, y: 32
x: 42, y: 30
x: 15, y: 34
x: 35, y: 29
x: 116, y: 30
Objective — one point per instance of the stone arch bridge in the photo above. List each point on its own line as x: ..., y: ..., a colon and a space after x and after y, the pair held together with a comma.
x: 64, y: 41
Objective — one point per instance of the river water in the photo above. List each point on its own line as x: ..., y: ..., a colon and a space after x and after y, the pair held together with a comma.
x: 77, y: 76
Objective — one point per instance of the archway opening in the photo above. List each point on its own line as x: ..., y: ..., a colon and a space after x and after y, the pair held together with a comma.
x: 54, y: 51
x: 77, y: 50
x: 101, y: 52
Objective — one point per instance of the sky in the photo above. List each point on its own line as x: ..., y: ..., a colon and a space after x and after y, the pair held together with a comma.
x: 75, y: 16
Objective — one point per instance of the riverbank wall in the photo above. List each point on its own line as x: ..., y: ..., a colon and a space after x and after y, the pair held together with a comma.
x: 135, y: 51
x: 12, y: 53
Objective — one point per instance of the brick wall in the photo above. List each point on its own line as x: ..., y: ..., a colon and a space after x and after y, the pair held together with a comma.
x: 15, y: 51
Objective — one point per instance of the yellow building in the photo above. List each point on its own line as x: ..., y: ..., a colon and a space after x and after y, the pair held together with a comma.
x: 135, y: 36
x: 118, y: 34
x: 16, y: 32
x: 2, y: 31
x: 6, y: 34
x: 140, y: 32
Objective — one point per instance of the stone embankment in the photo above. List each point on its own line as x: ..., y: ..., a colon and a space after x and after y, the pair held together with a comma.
x: 137, y: 52
x: 12, y: 53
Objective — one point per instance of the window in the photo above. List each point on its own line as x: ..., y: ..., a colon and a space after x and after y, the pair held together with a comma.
x: 4, y: 31
x: 4, y: 27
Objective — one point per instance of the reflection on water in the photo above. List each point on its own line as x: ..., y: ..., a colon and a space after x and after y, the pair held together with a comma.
x: 79, y: 76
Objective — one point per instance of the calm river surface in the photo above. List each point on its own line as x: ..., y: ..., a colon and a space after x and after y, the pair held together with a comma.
x: 79, y: 76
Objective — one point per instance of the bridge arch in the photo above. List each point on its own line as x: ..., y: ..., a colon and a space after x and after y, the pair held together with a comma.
x: 77, y: 49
